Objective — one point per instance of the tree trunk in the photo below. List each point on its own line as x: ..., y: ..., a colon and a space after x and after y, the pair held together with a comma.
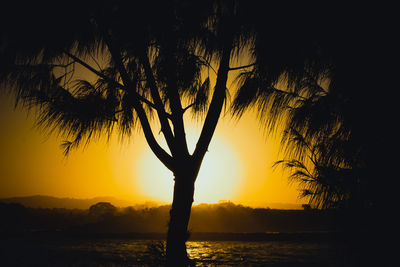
x: 179, y: 218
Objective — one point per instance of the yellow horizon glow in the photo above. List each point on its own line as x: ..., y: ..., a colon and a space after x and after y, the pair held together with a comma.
x: 240, y: 156
x: 219, y: 176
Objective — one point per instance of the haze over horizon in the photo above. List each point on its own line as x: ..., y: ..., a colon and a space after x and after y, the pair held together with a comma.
x: 235, y: 168
x: 43, y: 201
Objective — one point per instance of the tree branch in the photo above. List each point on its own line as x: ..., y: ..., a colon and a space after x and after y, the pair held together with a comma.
x: 174, y: 99
x: 90, y: 68
x: 165, y: 127
x: 242, y: 67
x: 288, y: 93
x: 160, y: 153
x: 98, y: 73
x: 215, y: 108
x: 207, y: 63
x: 95, y: 61
x: 151, y: 104
x: 189, y: 106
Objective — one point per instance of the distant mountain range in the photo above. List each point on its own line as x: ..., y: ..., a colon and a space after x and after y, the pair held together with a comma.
x: 70, y: 203
x: 74, y: 203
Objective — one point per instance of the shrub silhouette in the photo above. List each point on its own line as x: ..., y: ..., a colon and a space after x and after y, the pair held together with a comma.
x: 102, y: 209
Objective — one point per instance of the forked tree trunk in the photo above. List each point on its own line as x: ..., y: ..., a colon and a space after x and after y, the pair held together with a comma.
x: 179, y: 218
x: 186, y: 173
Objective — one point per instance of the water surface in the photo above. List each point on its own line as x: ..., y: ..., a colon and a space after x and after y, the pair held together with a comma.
x: 63, y: 251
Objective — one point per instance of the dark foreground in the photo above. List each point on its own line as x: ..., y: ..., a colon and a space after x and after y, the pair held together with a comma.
x: 274, y: 249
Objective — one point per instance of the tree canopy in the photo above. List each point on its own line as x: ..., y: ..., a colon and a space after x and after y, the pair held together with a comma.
x: 312, y: 69
x: 303, y: 67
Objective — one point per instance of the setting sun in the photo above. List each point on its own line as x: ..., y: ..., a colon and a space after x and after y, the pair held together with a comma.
x: 219, y: 177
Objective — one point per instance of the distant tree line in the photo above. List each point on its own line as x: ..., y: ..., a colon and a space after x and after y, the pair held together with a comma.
x: 103, y: 217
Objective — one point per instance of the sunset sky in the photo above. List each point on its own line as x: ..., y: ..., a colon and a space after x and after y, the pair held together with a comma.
x: 238, y: 166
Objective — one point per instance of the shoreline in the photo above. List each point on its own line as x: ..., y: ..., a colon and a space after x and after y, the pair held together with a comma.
x: 195, y: 236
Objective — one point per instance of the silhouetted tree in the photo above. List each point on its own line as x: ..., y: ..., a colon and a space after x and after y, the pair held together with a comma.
x: 153, y: 59
x: 102, y: 209
x: 317, y: 88
x: 331, y: 96
x: 149, y: 59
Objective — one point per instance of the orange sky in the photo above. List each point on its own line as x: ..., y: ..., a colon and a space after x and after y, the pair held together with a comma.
x: 238, y: 166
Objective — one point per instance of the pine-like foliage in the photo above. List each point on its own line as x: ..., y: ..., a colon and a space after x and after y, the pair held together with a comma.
x: 82, y: 67
x: 153, y: 59
x: 302, y: 82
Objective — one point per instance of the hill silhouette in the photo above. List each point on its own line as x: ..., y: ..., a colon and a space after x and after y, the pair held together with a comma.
x: 40, y: 201
x: 50, y: 202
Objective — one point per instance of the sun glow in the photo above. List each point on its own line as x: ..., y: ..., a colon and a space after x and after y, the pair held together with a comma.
x: 219, y: 177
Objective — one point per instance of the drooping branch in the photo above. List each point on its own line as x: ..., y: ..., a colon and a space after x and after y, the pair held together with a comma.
x: 165, y: 127
x: 114, y: 82
x: 151, y: 104
x: 90, y: 68
x: 189, y: 106
x: 208, y: 64
x: 160, y: 153
x: 242, y: 67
